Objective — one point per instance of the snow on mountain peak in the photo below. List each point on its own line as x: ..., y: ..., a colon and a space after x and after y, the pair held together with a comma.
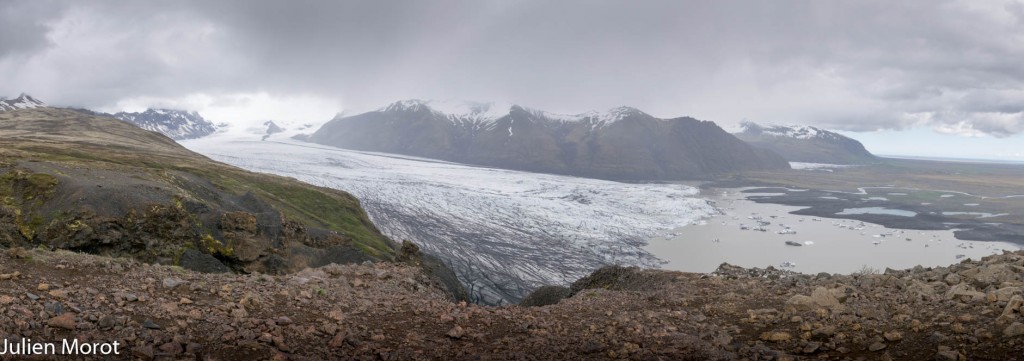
x: 176, y: 124
x: 455, y: 110
x: 23, y: 101
x: 599, y: 119
x: 616, y: 114
x: 790, y: 131
x: 486, y: 113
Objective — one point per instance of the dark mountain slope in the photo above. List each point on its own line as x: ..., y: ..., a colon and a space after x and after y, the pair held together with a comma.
x: 806, y: 144
x: 622, y: 144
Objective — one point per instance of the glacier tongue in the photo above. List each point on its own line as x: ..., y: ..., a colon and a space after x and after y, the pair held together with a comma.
x: 503, y: 232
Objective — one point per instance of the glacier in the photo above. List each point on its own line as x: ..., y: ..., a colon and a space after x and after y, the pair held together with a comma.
x: 503, y: 232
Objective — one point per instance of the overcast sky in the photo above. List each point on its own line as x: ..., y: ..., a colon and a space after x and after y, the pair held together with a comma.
x: 944, y: 70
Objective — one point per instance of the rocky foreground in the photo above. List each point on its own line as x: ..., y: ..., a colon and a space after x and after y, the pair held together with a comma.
x: 390, y: 311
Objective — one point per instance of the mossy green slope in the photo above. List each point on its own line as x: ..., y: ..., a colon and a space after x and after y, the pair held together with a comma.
x: 78, y: 181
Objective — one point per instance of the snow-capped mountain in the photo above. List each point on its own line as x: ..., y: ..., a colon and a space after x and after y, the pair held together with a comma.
x: 803, y: 143
x: 621, y: 143
x: 503, y: 232
x: 23, y: 101
x: 789, y: 131
x: 486, y: 115
x: 176, y: 124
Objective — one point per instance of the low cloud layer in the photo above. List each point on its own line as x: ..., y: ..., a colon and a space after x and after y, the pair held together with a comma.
x: 953, y: 66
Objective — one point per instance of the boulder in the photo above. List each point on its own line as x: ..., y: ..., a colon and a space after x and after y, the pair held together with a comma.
x: 1011, y: 306
x: 801, y: 303
x: 921, y: 290
x: 994, y: 275
x: 776, y: 336
x: 819, y: 298
x: 201, y: 262
x: 1013, y: 330
x: 1004, y: 294
x: 824, y: 298
x: 961, y: 290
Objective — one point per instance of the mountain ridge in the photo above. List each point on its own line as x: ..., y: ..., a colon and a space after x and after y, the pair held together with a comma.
x: 620, y: 144
x: 804, y: 143
x: 23, y: 101
x: 176, y: 124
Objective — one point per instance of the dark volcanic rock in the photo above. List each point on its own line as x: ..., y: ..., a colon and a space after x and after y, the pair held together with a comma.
x: 201, y: 262
x: 620, y: 278
x: 543, y: 296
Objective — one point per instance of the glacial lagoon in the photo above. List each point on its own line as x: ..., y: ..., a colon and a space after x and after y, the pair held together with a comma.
x: 753, y: 234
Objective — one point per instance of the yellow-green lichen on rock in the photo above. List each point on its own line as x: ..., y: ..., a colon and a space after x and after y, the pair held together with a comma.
x: 21, y: 193
x: 215, y: 247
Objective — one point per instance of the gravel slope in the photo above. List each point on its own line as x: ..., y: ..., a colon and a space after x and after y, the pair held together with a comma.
x: 390, y: 311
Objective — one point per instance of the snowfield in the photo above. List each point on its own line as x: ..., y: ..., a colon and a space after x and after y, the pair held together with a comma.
x: 816, y: 166
x: 503, y: 232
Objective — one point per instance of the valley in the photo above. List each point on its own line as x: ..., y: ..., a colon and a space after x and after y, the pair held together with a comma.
x: 503, y: 232
x: 512, y: 180
x: 508, y: 232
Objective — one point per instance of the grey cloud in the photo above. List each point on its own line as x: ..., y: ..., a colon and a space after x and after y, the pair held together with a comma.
x: 23, y: 27
x: 852, y: 65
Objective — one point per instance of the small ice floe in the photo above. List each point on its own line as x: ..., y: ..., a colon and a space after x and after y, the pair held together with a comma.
x: 786, y: 231
x: 808, y: 243
x: 876, y: 242
x: 794, y: 243
x: 716, y: 240
x: 787, y: 264
x: 959, y: 256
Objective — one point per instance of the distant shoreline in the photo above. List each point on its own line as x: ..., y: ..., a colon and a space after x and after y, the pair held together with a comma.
x: 956, y: 160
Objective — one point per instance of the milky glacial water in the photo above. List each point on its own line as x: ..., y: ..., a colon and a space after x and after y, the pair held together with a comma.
x: 878, y: 210
x: 836, y: 245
